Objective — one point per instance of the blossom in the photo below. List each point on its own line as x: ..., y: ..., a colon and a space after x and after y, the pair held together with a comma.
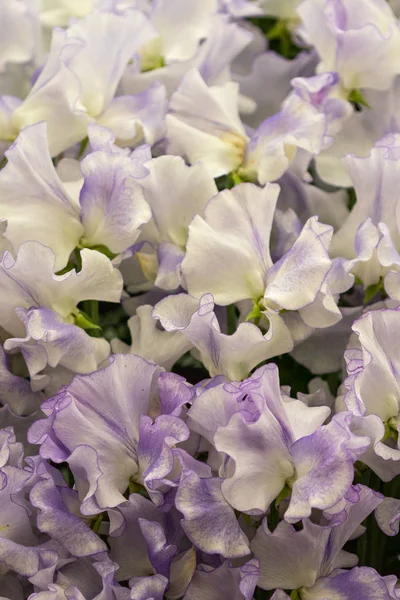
x: 230, y: 355
x: 163, y: 238
x: 39, y: 206
x: 39, y: 309
x: 283, y: 440
x: 298, y: 559
x: 236, y: 231
x: 132, y: 445
x: 204, y: 124
x: 373, y: 390
x: 167, y: 57
x: 361, y: 45
x: 84, y: 78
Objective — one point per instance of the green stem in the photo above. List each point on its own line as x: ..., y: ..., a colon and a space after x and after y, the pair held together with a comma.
x: 362, y: 548
x: 95, y: 525
x: 371, y: 549
x: 273, y: 517
x: 362, y: 542
x: 91, y: 308
x: 82, y: 147
x: 231, y: 319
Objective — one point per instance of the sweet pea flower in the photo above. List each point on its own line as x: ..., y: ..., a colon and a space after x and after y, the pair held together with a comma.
x: 236, y: 231
x: 233, y: 356
x: 162, y: 242
x: 38, y: 309
x: 84, y: 580
x: 19, y: 546
x: 84, y: 77
x: 360, y: 40
x: 284, y: 441
x: 370, y: 236
x: 311, y: 561
x: 203, y: 124
x: 132, y: 446
x: 373, y: 392
x: 211, y: 43
x: 39, y: 206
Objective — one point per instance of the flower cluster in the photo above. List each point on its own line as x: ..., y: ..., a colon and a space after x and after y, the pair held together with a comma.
x: 199, y: 299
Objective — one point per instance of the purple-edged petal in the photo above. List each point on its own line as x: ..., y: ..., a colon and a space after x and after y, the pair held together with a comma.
x: 288, y: 558
x: 132, y: 558
x: 295, y: 280
x: 148, y: 588
x: 356, y: 506
x: 154, y: 455
x: 150, y: 342
x: 260, y: 444
x: 57, y: 343
x: 55, y: 519
x: 209, y: 521
x: 137, y: 119
x: 209, y: 583
x: 34, y: 200
x: 273, y: 146
x: 231, y: 355
x: 160, y: 551
x: 360, y: 582
x: 387, y: 516
x: 236, y: 232
x: 111, y: 401
x: 113, y: 207
x: 324, y: 468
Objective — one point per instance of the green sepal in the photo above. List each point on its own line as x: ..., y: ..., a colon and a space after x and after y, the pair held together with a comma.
x: 137, y: 488
x: 255, y: 314
x: 70, y: 265
x: 284, y: 494
x: 295, y: 595
x: 372, y: 291
x: 157, y: 63
x: 356, y: 97
x: 391, y: 433
x: 83, y: 321
x: 103, y: 250
x: 83, y: 147
x: 277, y: 31
x: 96, y: 522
